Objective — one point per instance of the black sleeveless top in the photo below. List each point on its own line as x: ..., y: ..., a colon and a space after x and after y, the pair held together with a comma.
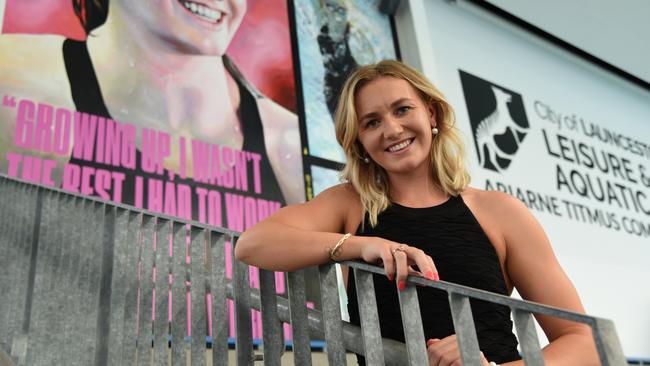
x: 87, y: 97
x: 463, y: 254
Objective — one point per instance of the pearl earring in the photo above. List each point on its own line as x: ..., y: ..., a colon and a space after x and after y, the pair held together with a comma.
x: 434, y: 131
x: 366, y: 160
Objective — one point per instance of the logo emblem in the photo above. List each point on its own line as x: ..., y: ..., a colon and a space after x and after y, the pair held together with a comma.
x: 498, y: 120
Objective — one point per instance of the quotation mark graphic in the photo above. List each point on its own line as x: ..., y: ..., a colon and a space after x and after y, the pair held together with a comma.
x: 9, y: 101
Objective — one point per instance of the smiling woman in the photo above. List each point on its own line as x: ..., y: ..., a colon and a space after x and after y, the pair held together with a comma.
x: 409, y: 101
x: 158, y: 69
x: 191, y: 27
x: 407, y: 203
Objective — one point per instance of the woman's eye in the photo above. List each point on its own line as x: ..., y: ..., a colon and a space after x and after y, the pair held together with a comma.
x: 372, y: 123
x: 403, y: 110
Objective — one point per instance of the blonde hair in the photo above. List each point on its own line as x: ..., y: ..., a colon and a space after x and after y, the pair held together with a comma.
x: 369, y: 179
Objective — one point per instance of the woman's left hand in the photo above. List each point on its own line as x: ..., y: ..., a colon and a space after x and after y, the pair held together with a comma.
x: 445, y: 352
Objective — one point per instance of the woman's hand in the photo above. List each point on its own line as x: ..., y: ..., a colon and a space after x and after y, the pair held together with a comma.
x: 397, y: 259
x: 445, y: 352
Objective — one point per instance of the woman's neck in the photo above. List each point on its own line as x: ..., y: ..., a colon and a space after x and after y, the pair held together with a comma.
x: 146, y: 83
x: 415, y: 190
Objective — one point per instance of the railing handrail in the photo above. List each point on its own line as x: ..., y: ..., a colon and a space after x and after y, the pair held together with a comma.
x: 124, y: 206
x: 603, y: 330
x: 339, y: 335
x: 527, y: 305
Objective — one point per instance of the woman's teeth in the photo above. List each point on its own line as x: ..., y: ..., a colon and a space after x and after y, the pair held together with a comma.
x: 400, y: 146
x: 203, y: 11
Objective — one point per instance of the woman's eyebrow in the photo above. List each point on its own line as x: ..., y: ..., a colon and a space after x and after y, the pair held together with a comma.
x: 400, y: 101
x: 392, y: 105
x: 368, y: 115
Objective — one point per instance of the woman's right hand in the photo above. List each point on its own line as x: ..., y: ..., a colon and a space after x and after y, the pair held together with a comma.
x: 398, y: 259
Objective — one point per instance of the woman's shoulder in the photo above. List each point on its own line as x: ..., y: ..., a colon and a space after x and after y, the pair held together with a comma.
x: 276, y: 114
x: 24, y: 72
x: 498, y: 213
x: 335, y: 209
x: 282, y: 137
x: 30, y: 42
x: 341, y: 191
x: 343, y: 196
x: 346, y: 199
x: 31, y: 68
x: 496, y: 202
x: 27, y: 52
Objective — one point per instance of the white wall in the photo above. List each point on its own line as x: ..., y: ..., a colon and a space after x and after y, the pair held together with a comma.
x: 609, y: 266
x: 617, y: 32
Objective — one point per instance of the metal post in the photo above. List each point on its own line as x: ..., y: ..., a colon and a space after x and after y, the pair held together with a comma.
x: 331, y: 314
x: 369, y: 318
x: 299, y: 324
x: 241, y: 287
x: 145, y: 335
x: 161, y: 286
x: 412, y: 323
x: 219, y: 304
x: 272, y: 327
x: 461, y: 314
x: 179, y: 305
x: 197, y: 289
x: 527, y: 336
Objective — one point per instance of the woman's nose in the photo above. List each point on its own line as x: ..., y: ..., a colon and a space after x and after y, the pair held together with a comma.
x: 392, y: 128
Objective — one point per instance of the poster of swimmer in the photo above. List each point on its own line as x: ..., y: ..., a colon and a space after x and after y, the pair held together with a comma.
x: 334, y: 37
x: 180, y: 107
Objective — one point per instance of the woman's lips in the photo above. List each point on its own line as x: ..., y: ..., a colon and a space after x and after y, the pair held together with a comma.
x: 203, y: 12
x: 400, y: 146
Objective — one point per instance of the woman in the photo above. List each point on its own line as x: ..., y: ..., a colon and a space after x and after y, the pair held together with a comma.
x: 407, y: 203
x: 159, y: 65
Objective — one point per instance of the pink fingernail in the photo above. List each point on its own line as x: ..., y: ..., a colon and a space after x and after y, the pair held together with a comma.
x: 401, y: 285
x: 430, y: 275
x: 390, y: 278
x: 437, y: 277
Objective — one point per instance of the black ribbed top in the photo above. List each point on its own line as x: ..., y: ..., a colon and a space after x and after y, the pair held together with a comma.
x: 463, y: 254
x: 88, y: 98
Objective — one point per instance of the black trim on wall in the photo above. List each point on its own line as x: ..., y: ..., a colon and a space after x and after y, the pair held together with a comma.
x: 308, y: 160
x: 300, y: 105
x: 325, y: 163
x: 560, y: 43
x: 393, y: 28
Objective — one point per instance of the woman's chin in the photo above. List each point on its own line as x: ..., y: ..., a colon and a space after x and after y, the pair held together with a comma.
x: 199, y: 47
x: 405, y: 167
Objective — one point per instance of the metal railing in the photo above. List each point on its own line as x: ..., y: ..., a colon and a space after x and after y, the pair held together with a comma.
x: 87, y: 282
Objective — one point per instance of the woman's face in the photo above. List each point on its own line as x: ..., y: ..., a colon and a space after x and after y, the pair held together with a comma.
x: 395, y: 125
x: 203, y: 27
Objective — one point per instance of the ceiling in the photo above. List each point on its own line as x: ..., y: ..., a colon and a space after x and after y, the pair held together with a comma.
x: 617, y: 32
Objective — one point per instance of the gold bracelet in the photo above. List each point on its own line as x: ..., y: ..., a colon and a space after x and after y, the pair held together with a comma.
x: 338, y: 245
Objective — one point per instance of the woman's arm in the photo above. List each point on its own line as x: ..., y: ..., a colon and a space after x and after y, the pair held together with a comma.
x: 300, y: 236
x: 537, y: 275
